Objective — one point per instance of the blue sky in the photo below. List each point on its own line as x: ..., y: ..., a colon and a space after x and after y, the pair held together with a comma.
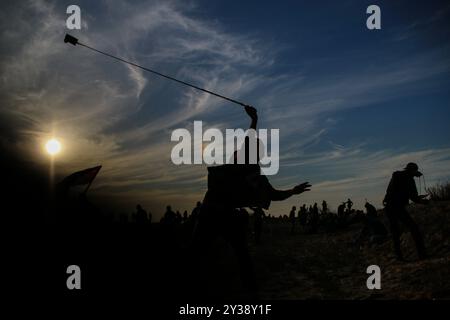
x: 352, y: 105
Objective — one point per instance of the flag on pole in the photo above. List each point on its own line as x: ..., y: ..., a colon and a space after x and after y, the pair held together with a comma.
x: 82, y: 177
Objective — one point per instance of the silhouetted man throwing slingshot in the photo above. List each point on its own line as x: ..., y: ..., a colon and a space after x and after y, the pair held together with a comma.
x: 232, y: 186
x: 401, y: 189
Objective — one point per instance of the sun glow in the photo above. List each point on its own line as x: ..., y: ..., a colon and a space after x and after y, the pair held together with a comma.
x: 53, y: 146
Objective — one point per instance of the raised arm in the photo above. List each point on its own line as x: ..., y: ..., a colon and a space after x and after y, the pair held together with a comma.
x: 253, y: 115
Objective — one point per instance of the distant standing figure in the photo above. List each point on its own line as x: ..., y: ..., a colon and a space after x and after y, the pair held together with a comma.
x: 401, y: 189
x: 341, y: 210
x: 374, y: 230
x: 341, y: 217
x: 141, y: 215
x: 169, y: 217
x: 150, y: 217
x: 179, y: 218
x: 349, y: 205
x: 371, y: 211
x: 324, y: 207
x: 196, y: 211
x: 303, y: 215
x: 292, y: 219
x: 314, y: 218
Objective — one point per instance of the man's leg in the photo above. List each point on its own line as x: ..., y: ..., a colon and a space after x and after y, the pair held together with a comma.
x: 235, y: 234
x: 206, y: 232
x: 395, y: 231
x: 406, y: 219
x: 245, y: 264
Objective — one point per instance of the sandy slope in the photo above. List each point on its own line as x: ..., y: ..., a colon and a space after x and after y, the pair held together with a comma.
x: 331, y: 266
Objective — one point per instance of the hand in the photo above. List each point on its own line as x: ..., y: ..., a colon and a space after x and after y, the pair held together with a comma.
x: 423, y: 200
x: 251, y: 112
x: 301, y: 188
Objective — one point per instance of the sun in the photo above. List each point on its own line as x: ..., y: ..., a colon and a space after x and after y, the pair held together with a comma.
x: 53, y: 146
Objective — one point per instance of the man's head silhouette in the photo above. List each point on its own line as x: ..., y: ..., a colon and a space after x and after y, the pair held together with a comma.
x: 413, y: 169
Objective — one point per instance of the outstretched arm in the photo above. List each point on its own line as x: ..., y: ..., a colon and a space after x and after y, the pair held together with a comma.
x: 280, y: 195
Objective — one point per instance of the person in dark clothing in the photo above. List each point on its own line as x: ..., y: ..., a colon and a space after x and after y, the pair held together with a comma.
x: 314, y: 218
x: 303, y: 215
x: 170, y: 217
x: 292, y: 219
x: 371, y: 211
x: 141, y: 215
x: 349, y: 206
x: 150, y: 217
x: 341, y: 214
x: 234, y: 186
x: 196, y: 211
x: 178, y: 218
x: 374, y: 230
x: 401, y: 189
x: 341, y: 209
x: 324, y: 207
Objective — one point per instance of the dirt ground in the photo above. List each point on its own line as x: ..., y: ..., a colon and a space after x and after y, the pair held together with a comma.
x: 332, y: 266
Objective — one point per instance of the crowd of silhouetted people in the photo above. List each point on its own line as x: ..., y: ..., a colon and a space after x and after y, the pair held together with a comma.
x: 193, y: 233
x: 233, y: 189
x: 257, y: 224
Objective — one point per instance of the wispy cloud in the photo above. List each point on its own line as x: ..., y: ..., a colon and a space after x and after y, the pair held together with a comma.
x: 356, y: 172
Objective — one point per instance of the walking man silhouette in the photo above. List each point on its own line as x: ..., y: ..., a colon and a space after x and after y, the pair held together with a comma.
x: 401, y: 189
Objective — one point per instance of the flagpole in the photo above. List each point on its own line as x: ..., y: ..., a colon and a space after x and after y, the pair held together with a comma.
x: 87, y: 188
x: 92, y: 179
